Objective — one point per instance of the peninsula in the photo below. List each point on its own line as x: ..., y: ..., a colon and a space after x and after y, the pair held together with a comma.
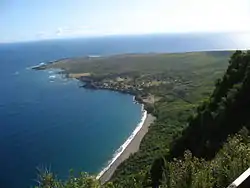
x: 166, y: 84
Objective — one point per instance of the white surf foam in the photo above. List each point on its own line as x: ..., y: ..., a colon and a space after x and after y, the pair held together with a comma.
x: 126, y: 143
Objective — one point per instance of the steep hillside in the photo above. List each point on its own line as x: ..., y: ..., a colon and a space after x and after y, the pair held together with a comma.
x: 225, y: 112
x: 200, y: 138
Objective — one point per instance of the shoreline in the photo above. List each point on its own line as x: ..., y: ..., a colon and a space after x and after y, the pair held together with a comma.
x: 121, y: 149
x: 130, y: 146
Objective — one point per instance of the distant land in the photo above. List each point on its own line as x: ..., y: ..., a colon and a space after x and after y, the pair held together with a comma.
x: 175, y: 79
x: 201, y: 134
x: 138, y: 74
x: 195, y: 90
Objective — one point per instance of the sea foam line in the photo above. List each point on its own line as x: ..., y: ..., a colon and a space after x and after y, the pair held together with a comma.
x: 126, y: 143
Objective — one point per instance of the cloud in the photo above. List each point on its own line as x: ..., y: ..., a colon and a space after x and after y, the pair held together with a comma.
x: 64, y: 32
x: 59, y: 31
x: 74, y: 31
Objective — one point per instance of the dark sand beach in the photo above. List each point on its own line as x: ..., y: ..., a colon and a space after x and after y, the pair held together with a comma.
x: 132, y: 147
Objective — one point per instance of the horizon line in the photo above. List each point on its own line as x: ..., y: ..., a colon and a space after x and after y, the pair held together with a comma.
x: 122, y: 35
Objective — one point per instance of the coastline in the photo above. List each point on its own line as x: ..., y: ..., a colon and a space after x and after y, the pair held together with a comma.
x: 130, y: 146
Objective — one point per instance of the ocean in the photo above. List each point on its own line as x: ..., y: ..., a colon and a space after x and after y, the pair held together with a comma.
x: 48, y: 121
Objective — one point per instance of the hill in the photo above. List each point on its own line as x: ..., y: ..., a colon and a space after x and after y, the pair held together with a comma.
x: 224, y: 113
x: 189, y: 145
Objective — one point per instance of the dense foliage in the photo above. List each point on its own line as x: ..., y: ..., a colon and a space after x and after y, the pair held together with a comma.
x: 191, y: 143
x: 172, y: 112
x: 228, y: 164
x: 177, y: 102
x: 224, y: 113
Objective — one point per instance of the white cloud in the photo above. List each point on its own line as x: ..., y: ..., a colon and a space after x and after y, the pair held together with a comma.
x: 74, y: 31
x: 62, y: 32
x: 59, y: 31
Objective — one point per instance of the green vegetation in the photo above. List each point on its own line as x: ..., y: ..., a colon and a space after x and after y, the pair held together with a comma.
x: 187, y: 76
x: 225, y: 112
x: 231, y: 161
x: 193, y: 172
x: 193, y: 142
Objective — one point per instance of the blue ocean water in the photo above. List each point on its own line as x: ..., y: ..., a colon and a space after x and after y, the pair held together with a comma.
x: 53, y: 122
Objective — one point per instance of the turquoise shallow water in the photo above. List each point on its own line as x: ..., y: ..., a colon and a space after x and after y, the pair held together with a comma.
x: 53, y: 122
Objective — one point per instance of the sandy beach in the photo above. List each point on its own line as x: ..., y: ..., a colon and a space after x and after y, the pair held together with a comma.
x: 132, y: 147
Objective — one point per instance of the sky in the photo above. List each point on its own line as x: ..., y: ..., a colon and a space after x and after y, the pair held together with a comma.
x: 26, y: 20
